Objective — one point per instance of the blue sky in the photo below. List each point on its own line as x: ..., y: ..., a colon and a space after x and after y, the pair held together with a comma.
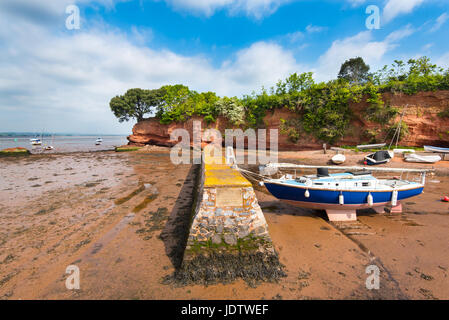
x: 62, y: 80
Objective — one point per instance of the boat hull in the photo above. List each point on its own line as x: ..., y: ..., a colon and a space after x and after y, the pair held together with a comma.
x: 436, y: 149
x: 330, y: 199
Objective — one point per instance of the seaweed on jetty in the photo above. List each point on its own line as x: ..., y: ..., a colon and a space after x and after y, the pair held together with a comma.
x: 252, y: 267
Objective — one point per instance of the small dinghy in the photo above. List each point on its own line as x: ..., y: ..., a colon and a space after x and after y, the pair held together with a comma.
x: 371, y: 146
x: 422, y: 159
x: 338, y: 159
x: 436, y: 149
x: 379, y: 157
x: 403, y: 151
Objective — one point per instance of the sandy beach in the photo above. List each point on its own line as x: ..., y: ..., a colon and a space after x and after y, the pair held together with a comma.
x: 119, y: 218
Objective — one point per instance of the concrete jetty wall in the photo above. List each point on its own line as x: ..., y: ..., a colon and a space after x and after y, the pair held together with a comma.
x: 227, y: 214
x: 228, y: 236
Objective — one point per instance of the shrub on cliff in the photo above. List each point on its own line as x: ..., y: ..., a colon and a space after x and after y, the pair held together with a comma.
x: 179, y: 103
x: 415, y: 76
x: 325, y: 109
x: 232, y: 109
x: 377, y: 111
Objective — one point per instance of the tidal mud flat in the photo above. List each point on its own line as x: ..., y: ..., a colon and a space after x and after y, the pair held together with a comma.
x: 121, y: 218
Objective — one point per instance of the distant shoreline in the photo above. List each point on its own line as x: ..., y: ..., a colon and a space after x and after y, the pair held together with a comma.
x: 29, y: 134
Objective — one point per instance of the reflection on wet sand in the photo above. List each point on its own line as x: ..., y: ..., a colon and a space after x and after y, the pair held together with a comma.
x: 82, y: 209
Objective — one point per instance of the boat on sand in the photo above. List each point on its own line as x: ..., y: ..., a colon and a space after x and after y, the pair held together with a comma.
x: 341, y: 194
x: 371, y: 146
x: 421, y: 159
x: 338, y: 159
x: 379, y: 157
x: 436, y: 149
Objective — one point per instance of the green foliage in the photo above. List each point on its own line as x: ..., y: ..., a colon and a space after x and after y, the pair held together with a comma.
x: 179, y: 103
x: 292, y: 128
x: 372, y: 135
x: 444, y: 113
x: 325, y: 109
x: 322, y: 108
x: 232, y: 109
x: 415, y: 76
x: 135, y: 103
x: 377, y: 111
x: 403, y: 130
x: 256, y: 106
x: 354, y: 70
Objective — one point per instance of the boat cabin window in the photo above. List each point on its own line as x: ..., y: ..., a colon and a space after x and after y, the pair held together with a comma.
x: 365, y: 184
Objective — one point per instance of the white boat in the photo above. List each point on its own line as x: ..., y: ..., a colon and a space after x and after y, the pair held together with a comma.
x: 98, y: 141
x: 36, y: 142
x: 422, y: 159
x: 50, y: 147
x: 379, y: 157
x: 338, y: 159
x: 371, y: 146
x: 436, y: 149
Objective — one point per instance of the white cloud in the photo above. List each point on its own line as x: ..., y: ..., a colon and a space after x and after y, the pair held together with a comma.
x: 294, y: 37
x: 356, y: 3
x: 394, y: 8
x: 314, y: 29
x: 360, y: 45
x: 63, y: 81
x: 253, y: 8
x: 439, y: 22
x: 443, y: 61
x: 400, y: 34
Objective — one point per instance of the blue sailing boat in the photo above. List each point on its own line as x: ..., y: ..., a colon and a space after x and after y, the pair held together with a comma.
x: 341, y: 194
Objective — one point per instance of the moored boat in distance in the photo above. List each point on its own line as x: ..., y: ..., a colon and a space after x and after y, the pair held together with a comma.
x: 98, y: 141
x: 36, y: 141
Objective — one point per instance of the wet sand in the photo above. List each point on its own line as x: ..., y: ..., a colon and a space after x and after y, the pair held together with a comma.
x: 120, y: 217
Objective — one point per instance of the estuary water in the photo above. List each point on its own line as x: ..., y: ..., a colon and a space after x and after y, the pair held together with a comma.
x: 65, y: 144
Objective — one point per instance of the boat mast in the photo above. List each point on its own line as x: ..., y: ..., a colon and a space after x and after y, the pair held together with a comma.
x: 397, y: 131
x: 355, y: 168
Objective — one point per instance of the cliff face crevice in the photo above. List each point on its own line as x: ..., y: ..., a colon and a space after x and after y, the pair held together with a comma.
x: 421, y: 110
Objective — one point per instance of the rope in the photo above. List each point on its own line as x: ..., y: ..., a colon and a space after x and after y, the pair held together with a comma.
x: 249, y: 173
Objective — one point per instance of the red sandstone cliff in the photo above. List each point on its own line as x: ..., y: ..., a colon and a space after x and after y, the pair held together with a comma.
x: 421, y: 116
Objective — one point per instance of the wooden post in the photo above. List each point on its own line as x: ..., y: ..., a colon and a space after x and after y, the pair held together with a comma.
x: 324, y: 148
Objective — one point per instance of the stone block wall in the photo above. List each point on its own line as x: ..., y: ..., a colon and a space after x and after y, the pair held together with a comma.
x: 228, y: 235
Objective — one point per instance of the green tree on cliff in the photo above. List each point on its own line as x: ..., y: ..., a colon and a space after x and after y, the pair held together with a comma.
x: 354, y: 70
x: 135, y: 103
